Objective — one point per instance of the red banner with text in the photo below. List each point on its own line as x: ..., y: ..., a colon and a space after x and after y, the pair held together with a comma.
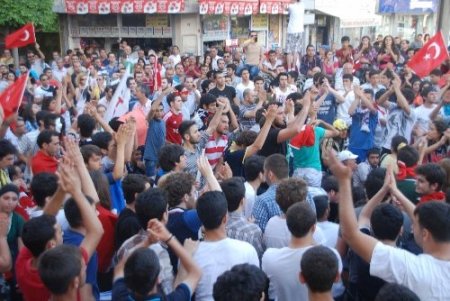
x: 228, y: 7
x: 274, y: 7
x: 104, y: 7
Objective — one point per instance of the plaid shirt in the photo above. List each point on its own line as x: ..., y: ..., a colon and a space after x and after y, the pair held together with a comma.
x: 239, y: 228
x: 265, y: 207
x: 166, y: 272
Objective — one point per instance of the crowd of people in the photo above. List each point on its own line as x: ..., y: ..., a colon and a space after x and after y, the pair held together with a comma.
x: 240, y: 181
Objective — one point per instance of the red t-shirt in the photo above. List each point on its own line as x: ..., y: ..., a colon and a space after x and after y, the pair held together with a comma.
x: 105, y: 248
x: 41, y: 162
x: 173, y: 121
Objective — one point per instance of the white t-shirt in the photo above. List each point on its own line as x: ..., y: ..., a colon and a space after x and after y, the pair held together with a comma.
x: 296, y: 18
x: 330, y: 231
x: 60, y: 217
x: 240, y: 88
x: 342, y: 108
x: 398, y: 123
x: 282, y: 266
x: 281, y: 96
x: 250, y: 197
x: 425, y: 275
x: 423, y: 117
x: 175, y: 59
x: 216, y: 257
x: 277, y: 235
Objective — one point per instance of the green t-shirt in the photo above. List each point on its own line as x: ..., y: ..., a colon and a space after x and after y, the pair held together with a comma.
x: 309, y: 156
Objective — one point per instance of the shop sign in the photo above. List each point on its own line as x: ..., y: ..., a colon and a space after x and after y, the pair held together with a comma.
x: 157, y: 21
x: 104, y: 7
x: 274, y: 7
x: 260, y: 22
x: 228, y: 7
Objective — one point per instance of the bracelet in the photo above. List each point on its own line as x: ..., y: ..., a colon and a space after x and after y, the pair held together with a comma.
x: 169, y: 239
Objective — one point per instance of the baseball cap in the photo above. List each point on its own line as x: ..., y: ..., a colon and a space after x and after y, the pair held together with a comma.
x: 346, y: 155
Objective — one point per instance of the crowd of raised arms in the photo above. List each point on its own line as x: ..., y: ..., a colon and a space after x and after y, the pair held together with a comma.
x: 240, y: 175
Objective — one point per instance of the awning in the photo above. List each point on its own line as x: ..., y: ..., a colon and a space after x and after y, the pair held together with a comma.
x: 228, y: 7
x: 104, y: 7
x: 361, y: 14
x: 274, y: 7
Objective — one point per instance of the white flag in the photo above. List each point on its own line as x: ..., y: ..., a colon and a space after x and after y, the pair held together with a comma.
x: 119, y: 103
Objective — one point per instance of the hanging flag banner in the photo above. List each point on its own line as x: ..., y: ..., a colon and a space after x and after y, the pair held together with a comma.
x: 228, y: 7
x: 274, y: 7
x: 104, y: 7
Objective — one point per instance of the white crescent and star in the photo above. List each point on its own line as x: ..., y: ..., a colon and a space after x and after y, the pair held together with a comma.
x: 26, y: 35
x: 437, y: 51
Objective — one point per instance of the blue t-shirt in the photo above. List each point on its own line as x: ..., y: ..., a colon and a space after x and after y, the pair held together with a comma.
x: 156, y: 138
x: 362, y: 137
x: 309, y: 156
x: 120, y: 293
x: 327, y: 111
x: 73, y: 238
x: 116, y: 192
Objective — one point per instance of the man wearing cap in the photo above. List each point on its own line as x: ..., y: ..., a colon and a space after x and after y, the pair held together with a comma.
x: 348, y: 159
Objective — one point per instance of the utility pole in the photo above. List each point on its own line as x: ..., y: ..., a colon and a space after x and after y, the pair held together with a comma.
x: 443, y: 20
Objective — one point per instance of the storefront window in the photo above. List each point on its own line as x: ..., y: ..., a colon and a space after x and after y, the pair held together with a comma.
x: 240, y: 27
x: 133, y: 20
x: 215, y: 28
x: 97, y: 20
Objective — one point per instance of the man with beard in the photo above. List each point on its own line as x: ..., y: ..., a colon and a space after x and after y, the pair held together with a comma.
x: 281, y: 131
x: 194, y: 141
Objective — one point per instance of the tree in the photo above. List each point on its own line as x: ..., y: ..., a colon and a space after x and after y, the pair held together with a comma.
x: 16, y: 13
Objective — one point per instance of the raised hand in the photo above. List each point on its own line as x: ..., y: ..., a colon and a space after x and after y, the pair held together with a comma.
x: 158, y: 231
x: 339, y: 170
x: 69, y: 180
x: 72, y: 151
x: 204, y: 167
x: 271, y: 112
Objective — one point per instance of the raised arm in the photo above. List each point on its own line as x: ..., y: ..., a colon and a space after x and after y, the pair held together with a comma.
x: 121, y: 138
x: 296, y: 126
x: 5, y: 253
x: 262, y: 135
x: 206, y: 171
x: 401, y: 100
x: 214, y: 123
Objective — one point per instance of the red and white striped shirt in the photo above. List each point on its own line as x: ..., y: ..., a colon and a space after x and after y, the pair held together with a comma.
x: 214, y: 149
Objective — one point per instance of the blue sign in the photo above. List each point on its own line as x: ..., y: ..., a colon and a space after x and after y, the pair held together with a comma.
x: 407, y: 6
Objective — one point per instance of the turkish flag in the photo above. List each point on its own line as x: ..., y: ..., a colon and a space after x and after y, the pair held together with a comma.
x: 430, y: 56
x: 11, y: 98
x: 21, y: 37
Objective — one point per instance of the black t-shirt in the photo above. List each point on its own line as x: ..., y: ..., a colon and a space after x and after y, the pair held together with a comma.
x: 228, y: 92
x: 127, y: 225
x: 271, y: 146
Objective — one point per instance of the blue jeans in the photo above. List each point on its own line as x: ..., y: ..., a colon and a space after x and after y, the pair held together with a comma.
x: 253, y: 69
x: 150, y: 168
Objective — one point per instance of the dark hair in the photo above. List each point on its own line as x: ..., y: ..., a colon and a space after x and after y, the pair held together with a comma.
x: 234, y: 191
x: 6, y: 148
x: 330, y: 183
x: 171, y: 98
x: 373, y: 151
x: 386, y: 222
x: 253, y: 166
x: 433, y: 173
x: 204, y: 86
x: 347, y: 76
x: 73, y: 213
x: 37, y: 232
x: 408, y: 155
x: 102, y: 140
x: 396, y: 292
x: 246, y: 138
x: 43, y: 185
x: 86, y: 123
x: 212, y: 207
x: 185, y: 127
x: 176, y: 186
x: 207, y: 99
x: 46, y: 103
x: 441, y: 126
x: 435, y: 217
x: 49, y: 119
x: 345, y: 39
x: 396, y: 141
x: 436, y: 72
x: 169, y: 155
x: 132, y: 185
x: 102, y: 186
x: 374, y: 181
x: 46, y: 137
x: 293, y: 74
x: 243, y: 282
x: 232, y: 67
x: 300, y: 218
x: 289, y: 192
x: 141, y: 271
x: 150, y: 204
x: 408, y: 93
x: 319, y: 267
x: 59, y: 266
x: 88, y: 150
x: 278, y: 165
x: 322, y: 203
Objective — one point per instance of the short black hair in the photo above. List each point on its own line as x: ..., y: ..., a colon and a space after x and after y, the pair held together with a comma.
x: 49, y: 119
x: 322, y: 203
x: 177, y: 185
x: 330, y: 183
x: 295, y: 96
x: 300, y: 218
x: 46, y: 137
x: 345, y: 39
x: 396, y: 141
x: 433, y: 173
x: 86, y: 123
x: 386, y: 221
x: 278, y: 165
x: 43, y: 185
x: 59, y: 266
x: 243, y: 282
x: 6, y: 148
x: 150, y: 204
x: 396, y: 292
x: 73, y: 213
x: 319, y: 267
x: 169, y: 155
x: 435, y: 217
x: 102, y: 139
x: 253, y: 167
x: 374, y: 181
x: 185, y: 127
x: 408, y: 155
x: 234, y: 190
x: 207, y: 99
x: 132, y: 185
x: 212, y: 207
x: 289, y: 192
x: 88, y: 150
x: 37, y: 232
x: 171, y: 98
x: 373, y: 151
x: 141, y: 271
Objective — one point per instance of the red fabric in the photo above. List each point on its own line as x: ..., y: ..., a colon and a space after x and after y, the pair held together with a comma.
x: 22, y: 37
x: 104, y: 7
x: 435, y: 196
x: 304, y: 138
x: 141, y: 124
x: 11, y: 98
x: 105, y: 248
x: 405, y: 172
x: 172, y: 123
x: 43, y: 163
x: 28, y: 278
x: 274, y: 7
x: 228, y: 7
x: 430, y: 56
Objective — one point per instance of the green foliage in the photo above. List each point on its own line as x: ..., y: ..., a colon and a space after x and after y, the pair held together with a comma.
x: 16, y: 13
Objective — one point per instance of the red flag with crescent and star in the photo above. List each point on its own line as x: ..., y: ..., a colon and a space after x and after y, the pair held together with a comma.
x: 430, y: 56
x: 11, y: 98
x: 22, y: 37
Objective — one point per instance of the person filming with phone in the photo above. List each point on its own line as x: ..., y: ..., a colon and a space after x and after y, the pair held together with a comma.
x: 254, y: 54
